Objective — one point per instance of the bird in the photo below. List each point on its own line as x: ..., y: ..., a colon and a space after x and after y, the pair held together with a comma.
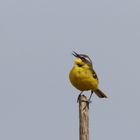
x: 83, y: 77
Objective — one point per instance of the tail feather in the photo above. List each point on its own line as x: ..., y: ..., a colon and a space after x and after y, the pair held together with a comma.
x: 100, y: 94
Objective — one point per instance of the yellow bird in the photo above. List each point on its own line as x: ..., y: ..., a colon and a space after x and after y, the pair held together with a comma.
x: 83, y: 77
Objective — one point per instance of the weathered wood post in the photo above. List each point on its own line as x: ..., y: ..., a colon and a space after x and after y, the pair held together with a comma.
x: 83, y: 118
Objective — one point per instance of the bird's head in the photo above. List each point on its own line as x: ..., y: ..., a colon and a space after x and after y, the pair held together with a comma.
x: 82, y: 60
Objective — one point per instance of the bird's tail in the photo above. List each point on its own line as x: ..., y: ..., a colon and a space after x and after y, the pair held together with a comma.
x: 100, y: 94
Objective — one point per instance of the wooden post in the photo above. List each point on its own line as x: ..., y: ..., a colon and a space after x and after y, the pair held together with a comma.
x: 83, y: 118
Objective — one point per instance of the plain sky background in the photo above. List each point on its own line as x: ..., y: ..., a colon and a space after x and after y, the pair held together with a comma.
x: 37, y: 37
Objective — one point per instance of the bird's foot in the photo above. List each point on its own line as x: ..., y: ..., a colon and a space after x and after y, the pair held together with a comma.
x: 87, y: 104
x: 79, y: 96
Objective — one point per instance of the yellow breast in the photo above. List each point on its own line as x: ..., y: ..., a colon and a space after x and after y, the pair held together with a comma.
x: 82, y: 79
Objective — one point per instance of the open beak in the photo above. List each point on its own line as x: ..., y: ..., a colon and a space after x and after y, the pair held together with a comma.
x: 83, y: 57
x: 76, y: 54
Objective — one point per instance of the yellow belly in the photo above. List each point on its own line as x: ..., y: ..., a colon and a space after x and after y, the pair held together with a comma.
x: 83, y: 79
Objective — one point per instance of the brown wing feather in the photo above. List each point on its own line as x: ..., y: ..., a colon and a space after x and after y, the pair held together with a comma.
x: 94, y: 74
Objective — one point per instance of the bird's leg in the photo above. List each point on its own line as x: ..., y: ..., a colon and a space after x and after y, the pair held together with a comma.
x: 90, y: 97
x: 88, y: 101
x: 79, y: 96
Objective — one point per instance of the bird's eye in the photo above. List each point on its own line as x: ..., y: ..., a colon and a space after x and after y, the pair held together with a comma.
x: 80, y: 65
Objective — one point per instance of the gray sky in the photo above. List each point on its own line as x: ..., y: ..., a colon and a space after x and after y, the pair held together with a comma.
x: 37, y: 102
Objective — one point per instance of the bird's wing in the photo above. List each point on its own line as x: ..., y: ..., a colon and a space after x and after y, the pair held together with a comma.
x: 94, y: 74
